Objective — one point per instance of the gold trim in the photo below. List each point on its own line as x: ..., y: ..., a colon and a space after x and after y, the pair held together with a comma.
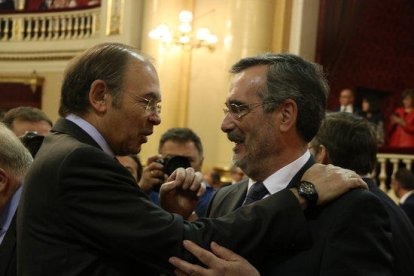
x: 33, y: 80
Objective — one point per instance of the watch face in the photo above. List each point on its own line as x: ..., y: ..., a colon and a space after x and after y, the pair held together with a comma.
x: 307, y: 188
x: 308, y: 191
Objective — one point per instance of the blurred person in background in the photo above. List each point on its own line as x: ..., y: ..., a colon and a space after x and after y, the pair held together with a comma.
x: 401, y: 128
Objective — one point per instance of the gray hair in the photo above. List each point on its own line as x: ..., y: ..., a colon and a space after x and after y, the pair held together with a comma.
x: 291, y: 77
x: 14, y: 157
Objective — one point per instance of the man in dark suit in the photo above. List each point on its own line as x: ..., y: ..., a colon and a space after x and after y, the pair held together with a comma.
x: 403, y: 186
x: 347, y: 102
x: 15, y: 160
x: 81, y: 212
x: 274, y: 108
x: 350, y: 142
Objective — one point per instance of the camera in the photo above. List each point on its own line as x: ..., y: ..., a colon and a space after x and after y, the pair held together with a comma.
x: 32, y: 141
x: 174, y: 162
x: 170, y: 165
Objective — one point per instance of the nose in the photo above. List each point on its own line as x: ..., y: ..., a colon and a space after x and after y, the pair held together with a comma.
x: 228, y: 123
x: 155, y: 118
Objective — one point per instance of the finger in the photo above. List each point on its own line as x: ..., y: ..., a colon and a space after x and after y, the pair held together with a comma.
x: 189, y: 178
x: 197, y: 182
x: 205, y: 256
x: 153, y: 158
x: 177, y: 175
x: 168, y: 186
x: 223, y: 252
x: 201, y: 190
x: 186, y: 267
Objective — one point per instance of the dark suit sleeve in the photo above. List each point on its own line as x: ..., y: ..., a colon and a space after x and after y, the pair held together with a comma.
x: 103, y: 207
x: 360, y: 240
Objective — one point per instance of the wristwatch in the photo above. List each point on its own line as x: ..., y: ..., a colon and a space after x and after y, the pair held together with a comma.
x: 308, y: 191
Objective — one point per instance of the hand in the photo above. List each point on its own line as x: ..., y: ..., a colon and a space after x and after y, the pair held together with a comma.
x: 222, y: 262
x: 152, y: 175
x: 331, y: 181
x: 181, y: 191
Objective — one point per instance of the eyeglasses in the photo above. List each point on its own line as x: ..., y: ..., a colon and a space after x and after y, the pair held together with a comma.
x: 240, y: 110
x: 150, y: 105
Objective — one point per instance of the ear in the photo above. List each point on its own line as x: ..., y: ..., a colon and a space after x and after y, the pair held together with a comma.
x: 4, y: 188
x: 99, y: 96
x: 4, y: 181
x: 322, y: 156
x: 288, y: 115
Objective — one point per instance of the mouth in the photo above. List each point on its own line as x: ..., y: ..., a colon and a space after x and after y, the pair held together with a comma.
x: 145, y: 135
x: 238, y: 140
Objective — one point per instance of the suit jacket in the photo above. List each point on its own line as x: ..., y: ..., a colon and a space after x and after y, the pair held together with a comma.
x: 81, y: 213
x: 8, y: 251
x: 402, y: 232
x: 408, y: 207
x: 350, y: 236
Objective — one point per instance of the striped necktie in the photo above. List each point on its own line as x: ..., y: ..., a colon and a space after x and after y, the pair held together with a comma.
x: 257, y: 191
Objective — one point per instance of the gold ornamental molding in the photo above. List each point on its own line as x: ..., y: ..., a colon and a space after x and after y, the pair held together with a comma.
x: 32, y: 80
x: 114, y: 17
x: 39, y: 56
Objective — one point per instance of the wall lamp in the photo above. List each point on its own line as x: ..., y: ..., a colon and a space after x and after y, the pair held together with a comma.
x: 184, y: 35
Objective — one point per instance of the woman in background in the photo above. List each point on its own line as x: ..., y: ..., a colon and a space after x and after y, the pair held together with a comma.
x: 402, y: 122
x: 372, y: 113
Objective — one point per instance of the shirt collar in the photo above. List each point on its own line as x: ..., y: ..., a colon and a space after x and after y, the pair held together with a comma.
x: 404, y: 197
x: 92, y: 131
x: 280, y: 179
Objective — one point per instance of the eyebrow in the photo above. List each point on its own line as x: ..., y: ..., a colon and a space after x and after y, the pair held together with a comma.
x: 236, y: 102
x: 152, y: 96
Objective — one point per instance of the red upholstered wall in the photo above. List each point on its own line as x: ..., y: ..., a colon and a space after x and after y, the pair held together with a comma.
x: 380, y: 52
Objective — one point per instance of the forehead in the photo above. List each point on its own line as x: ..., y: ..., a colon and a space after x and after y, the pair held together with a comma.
x: 248, y: 83
x: 172, y: 147
x: 20, y: 127
x: 142, y: 78
x: 346, y: 93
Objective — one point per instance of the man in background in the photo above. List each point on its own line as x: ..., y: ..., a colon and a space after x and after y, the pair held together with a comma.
x: 350, y: 142
x: 403, y: 186
x: 132, y: 163
x: 347, y: 102
x: 24, y: 118
x: 176, y: 142
x: 14, y: 163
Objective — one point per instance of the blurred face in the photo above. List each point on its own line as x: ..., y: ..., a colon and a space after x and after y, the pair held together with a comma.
x: 126, y: 126
x: 255, y: 135
x: 395, y: 187
x: 20, y: 127
x: 346, y: 97
x: 186, y: 149
x: 237, y: 174
x: 365, y: 105
x: 129, y: 164
x: 407, y: 102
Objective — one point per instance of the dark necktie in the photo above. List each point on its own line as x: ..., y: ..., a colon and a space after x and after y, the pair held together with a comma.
x: 257, y: 191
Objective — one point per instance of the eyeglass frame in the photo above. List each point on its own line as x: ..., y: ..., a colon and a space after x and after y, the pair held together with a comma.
x: 152, y: 108
x: 248, y: 108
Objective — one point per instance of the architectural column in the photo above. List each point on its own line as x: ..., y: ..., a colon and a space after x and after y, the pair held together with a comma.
x: 172, y: 64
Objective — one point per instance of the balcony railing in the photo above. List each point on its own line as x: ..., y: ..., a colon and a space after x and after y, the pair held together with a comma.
x: 69, y: 25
